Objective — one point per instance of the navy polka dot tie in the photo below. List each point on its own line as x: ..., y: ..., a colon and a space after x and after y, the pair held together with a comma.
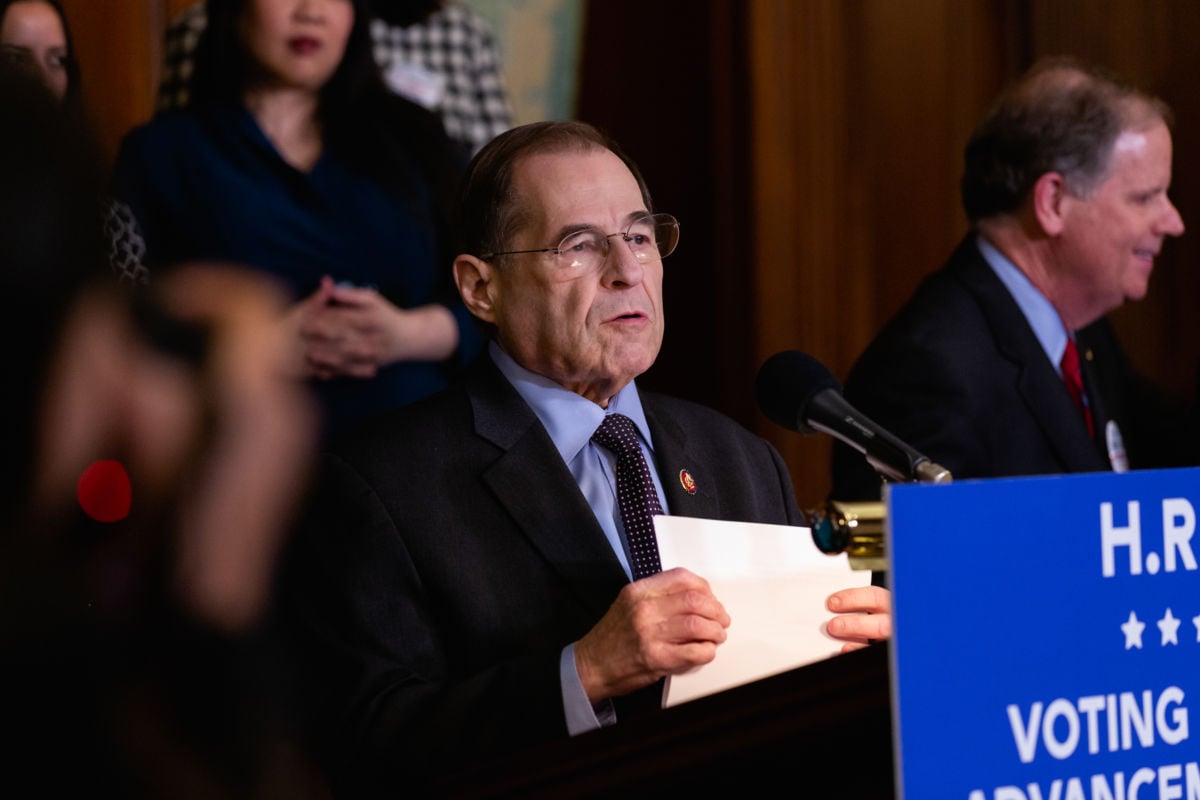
x: 636, y: 496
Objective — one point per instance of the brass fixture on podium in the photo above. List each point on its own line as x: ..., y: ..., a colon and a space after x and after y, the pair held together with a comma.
x: 856, y: 528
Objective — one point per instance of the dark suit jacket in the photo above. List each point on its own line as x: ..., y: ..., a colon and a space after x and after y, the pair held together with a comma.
x: 450, y: 556
x: 959, y: 375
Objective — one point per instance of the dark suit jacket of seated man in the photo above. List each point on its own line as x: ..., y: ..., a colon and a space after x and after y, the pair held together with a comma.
x: 464, y: 571
x: 1065, y: 184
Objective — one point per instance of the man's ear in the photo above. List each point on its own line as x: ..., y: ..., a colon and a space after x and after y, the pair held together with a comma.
x: 474, y: 278
x: 1051, y: 201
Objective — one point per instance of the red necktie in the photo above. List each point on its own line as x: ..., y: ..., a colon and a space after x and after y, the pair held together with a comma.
x: 1074, y: 380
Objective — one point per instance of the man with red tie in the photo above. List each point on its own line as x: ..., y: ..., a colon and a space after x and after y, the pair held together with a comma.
x: 1002, y: 363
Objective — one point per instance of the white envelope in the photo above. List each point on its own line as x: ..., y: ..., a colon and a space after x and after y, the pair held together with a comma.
x: 773, y: 582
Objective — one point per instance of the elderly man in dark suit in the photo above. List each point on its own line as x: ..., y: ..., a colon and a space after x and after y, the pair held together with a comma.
x: 477, y: 588
x: 1002, y: 362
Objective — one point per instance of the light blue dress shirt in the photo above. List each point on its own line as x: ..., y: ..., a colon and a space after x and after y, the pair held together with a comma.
x: 571, y: 419
x: 1042, y: 317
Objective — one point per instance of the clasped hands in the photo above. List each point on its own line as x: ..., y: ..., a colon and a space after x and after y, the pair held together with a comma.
x: 670, y: 622
x: 350, y: 331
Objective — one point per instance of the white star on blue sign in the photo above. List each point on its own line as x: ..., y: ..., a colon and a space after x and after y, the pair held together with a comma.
x: 1133, y: 632
x: 1170, y: 629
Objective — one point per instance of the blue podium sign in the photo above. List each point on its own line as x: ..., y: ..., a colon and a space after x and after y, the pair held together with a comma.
x: 1047, y: 637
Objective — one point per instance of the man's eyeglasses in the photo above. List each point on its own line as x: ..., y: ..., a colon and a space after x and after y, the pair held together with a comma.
x: 649, y: 238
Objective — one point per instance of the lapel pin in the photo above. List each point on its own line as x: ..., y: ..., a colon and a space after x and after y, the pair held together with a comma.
x: 687, y: 482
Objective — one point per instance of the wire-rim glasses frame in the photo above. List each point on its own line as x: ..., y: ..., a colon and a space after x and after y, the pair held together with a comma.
x: 653, y: 236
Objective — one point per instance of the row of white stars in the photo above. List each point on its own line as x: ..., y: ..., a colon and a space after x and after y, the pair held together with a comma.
x: 1168, y: 626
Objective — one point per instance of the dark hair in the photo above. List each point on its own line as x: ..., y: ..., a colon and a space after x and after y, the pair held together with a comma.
x: 73, y: 99
x: 1061, y: 116
x: 489, y: 212
x: 223, y: 66
x: 402, y: 13
x: 50, y: 249
x: 375, y: 130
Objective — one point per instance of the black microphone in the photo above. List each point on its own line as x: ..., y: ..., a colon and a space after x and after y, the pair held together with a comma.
x: 797, y: 392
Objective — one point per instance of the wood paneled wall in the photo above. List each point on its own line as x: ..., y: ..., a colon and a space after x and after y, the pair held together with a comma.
x: 861, y: 112
x: 119, y: 45
x: 811, y: 149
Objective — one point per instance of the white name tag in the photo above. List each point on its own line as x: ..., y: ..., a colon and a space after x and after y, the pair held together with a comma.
x: 1116, y: 447
x: 417, y: 84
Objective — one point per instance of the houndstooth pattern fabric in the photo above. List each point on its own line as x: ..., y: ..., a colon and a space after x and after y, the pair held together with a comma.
x: 457, y: 44
x: 126, y: 247
x: 183, y: 34
x: 454, y: 45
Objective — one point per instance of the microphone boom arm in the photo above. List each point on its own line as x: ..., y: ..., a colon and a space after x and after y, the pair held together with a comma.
x: 797, y: 392
x: 885, y: 451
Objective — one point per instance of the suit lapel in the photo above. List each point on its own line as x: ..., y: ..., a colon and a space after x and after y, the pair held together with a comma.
x: 1091, y: 340
x: 679, y: 468
x: 531, y: 482
x: 1035, y: 379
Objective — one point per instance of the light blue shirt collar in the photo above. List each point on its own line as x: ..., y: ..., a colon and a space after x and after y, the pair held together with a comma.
x: 569, y: 418
x: 1038, y: 311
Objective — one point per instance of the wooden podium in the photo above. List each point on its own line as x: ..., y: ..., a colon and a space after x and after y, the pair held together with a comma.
x: 825, y: 727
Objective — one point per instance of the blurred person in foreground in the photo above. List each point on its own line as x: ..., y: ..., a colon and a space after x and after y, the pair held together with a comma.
x: 1003, y: 362
x: 153, y: 454
x: 466, y: 573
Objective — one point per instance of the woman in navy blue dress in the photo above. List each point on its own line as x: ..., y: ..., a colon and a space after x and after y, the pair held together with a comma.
x: 294, y: 158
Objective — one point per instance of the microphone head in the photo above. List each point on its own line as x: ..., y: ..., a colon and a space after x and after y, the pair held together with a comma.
x: 786, y: 384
